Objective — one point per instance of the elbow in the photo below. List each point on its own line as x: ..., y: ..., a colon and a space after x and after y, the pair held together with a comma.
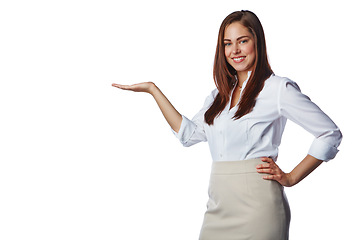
x: 332, y: 137
x: 339, y: 137
x: 325, y: 147
x: 187, y: 143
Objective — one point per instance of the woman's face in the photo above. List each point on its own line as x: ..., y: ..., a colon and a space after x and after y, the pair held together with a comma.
x: 239, y: 47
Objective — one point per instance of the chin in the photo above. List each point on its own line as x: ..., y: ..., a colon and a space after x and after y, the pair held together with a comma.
x: 242, y: 69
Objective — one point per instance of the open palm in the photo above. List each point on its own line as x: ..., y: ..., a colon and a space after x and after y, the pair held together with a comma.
x: 138, y: 87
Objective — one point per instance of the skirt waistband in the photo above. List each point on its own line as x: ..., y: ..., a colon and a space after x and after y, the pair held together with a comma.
x: 235, y: 167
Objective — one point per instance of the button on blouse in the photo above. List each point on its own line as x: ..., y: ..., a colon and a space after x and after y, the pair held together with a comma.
x: 258, y: 133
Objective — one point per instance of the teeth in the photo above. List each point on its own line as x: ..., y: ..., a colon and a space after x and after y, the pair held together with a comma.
x: 238, y: 59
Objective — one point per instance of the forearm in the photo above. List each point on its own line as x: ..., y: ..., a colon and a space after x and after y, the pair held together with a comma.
x: 172, y: 116
x: 303, y: 169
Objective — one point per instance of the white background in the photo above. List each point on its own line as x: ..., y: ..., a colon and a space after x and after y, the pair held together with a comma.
x: 80, y: 159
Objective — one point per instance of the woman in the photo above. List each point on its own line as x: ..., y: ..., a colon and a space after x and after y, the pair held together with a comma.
x: 243, y: 120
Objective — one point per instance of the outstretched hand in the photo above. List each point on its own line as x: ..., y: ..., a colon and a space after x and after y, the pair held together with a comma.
x: 139, y: 87
x: 274, y: 172
x: 172, y: 116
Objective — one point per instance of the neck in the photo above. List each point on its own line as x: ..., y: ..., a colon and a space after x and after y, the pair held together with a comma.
x: 242, y: 76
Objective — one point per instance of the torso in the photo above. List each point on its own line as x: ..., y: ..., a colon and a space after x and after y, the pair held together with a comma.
x: 255, y: 134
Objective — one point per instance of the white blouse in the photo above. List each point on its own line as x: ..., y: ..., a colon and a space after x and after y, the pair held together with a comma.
x: 258, y: 133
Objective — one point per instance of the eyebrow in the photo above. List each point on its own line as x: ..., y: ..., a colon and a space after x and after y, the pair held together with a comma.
x: 237, y: 38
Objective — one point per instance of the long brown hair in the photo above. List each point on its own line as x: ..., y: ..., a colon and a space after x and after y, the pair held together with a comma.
x: 224, y: 74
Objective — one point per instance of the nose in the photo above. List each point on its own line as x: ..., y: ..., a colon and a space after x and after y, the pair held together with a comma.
x: 236, y: 49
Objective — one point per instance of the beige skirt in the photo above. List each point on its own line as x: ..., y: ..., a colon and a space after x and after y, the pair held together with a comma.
x: 242, y: 205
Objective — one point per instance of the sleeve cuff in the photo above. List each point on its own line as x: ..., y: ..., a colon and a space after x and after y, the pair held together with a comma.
x: 186, y: 130
x: 322, y: 150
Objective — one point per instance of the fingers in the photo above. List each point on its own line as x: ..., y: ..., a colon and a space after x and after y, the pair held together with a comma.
x: 124, y: 87
x: 270, y: 167
x: 138, y: 87
x: 276, y: 177
x: 269, y: 160
x: 133, y: 87
x: 266, y: 167
x: 266, y: 170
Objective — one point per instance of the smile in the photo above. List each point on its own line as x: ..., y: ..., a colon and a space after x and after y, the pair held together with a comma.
x: 238, y: 59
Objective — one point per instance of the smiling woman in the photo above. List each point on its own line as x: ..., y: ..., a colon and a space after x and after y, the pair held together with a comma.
x: 246, y: 187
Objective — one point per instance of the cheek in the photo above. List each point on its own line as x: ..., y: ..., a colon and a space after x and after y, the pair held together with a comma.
x: 250, y: 50
x: 227, y: 52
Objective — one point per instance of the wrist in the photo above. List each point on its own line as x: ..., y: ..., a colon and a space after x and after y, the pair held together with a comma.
x: 152, y: 88
x: 304, y: 168
x: 291, y: 179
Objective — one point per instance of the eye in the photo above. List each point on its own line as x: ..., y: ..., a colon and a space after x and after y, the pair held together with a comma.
x: 243, y: 41
x: 227, y: 44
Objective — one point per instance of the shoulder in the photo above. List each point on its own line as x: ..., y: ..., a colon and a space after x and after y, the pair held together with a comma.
x: 210, y: 98
x: 278, y: 82
x: 212, y: 95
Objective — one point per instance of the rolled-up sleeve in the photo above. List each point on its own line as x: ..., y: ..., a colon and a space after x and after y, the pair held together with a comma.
x: 192, y: 131
x: 300, y: 109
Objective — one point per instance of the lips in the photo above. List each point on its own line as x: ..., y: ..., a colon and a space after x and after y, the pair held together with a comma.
x: 238, y: 59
